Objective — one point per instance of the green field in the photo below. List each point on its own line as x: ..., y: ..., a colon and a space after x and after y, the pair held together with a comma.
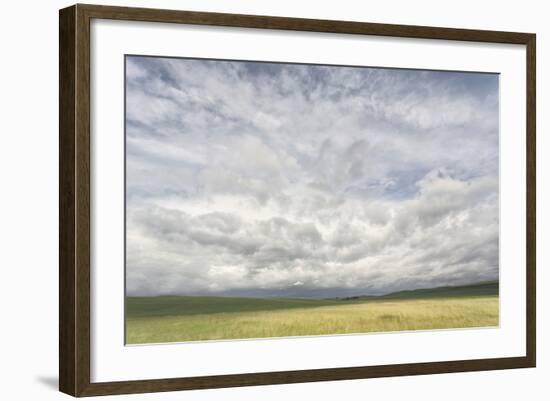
x: 171, y: 319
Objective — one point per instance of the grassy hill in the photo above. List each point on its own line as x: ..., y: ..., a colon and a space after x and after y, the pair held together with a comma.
x: 489, y: 288
x: 190, y: 318
x: 137, y: 307
x: 185, y: 306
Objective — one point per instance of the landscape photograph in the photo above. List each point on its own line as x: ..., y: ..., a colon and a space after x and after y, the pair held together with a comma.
x: 275, y: 199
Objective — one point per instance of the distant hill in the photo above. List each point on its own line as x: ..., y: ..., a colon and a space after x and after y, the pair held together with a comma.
x: 140, y: 307
x: 480, y: 289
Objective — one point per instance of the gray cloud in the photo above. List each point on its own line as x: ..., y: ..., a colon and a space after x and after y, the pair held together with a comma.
x: 249, y: 178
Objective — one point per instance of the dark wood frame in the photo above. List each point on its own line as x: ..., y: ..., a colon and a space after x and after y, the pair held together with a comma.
x: 74, y: 199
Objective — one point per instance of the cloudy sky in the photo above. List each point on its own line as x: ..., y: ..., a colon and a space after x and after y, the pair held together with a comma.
x: 265, y: 179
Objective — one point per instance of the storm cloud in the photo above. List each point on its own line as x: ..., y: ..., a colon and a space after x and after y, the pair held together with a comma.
x: 266, y: 179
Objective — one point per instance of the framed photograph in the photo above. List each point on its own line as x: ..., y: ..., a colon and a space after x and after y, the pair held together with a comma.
x: 250, y: 200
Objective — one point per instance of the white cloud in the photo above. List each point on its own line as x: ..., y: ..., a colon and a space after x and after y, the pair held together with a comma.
x: 255, y: 178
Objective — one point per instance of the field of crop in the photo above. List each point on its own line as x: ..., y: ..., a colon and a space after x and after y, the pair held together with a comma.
x: 173, y: 319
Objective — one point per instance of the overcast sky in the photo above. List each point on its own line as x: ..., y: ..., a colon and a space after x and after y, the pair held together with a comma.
x: 266, y: 179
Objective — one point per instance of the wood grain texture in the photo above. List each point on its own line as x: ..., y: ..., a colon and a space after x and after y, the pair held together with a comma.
x: 74, y: 199
x: 300, y: 24
x: 67, y: 290
x: 531, y: 202
x: 74, y: 206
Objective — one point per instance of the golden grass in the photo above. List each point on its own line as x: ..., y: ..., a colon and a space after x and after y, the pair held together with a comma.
x: 356, y: 317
